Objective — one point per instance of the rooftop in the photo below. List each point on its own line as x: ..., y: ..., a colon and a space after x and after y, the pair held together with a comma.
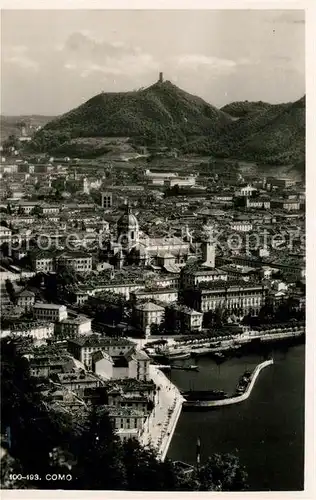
x: 149, y: 307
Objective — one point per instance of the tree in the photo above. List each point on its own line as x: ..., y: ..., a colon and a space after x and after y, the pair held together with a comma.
x: 222, y: 473
x: 35, y: 429
x: 144, y: 471
x: 99, y: 455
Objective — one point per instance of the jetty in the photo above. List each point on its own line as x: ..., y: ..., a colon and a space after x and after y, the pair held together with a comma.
x: 232, y: 400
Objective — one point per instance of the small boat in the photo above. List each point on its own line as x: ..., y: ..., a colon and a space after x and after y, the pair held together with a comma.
x: 219, y: 354
x: 183, y: 355
x: 186, y: 368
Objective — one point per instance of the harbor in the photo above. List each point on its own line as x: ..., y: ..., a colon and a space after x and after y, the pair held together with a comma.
x: 266, y: 423
x: 220, y: 398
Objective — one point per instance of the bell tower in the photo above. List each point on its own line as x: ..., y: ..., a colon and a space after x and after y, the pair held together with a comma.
x: 208, y: 247
x: 160, y: 77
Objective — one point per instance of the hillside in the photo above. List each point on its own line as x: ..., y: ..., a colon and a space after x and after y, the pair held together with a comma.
x: 275, y: 134
x: 161, y: 112
x: 165, y: 114
x: 240, y: 109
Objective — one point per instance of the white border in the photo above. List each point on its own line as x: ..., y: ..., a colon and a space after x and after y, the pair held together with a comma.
x: 310, y: 450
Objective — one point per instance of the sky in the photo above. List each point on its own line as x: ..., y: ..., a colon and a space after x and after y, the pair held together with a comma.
x: 54, y: 60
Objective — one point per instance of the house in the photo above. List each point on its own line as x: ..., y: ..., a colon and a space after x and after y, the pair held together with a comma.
x: 83, y: 347
x: 148, y: 314
x: 47, y: 209
x: 37, y: 330
x: 5, y: 235
x: 181, y: 318
x: 78, y: 382
x: 49, y: 312
x: 133, y: 364
x: 80, y: 262
x: 72, y: 327
x: 27, y: 207
x: 127, y: 422
x: 25, y: 299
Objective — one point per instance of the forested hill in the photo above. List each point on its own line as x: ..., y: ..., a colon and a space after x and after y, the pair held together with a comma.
x: 273, y: 134
x: 160, y: 112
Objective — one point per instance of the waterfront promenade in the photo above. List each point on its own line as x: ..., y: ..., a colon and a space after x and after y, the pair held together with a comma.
x: 163, y: 419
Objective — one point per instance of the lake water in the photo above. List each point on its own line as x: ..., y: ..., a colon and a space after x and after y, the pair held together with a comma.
x: 267, y: 430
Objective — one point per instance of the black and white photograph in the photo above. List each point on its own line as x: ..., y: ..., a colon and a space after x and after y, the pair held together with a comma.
x: 152, y: 250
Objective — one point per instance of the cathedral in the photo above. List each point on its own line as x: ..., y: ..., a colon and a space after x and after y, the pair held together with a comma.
x: 170, y: 254
x: 132, y: 246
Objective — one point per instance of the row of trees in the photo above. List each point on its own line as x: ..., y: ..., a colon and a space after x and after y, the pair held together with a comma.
x: 43, y: 440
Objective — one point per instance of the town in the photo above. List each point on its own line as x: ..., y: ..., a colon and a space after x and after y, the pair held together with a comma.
x: 152, y: 250
x: 102, y: 259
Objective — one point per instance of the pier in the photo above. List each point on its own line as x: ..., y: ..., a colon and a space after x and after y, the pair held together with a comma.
x: 234, y: 399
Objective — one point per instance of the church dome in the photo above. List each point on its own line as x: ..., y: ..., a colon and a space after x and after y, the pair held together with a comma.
x: 127, y: 222
x: 128, y: 229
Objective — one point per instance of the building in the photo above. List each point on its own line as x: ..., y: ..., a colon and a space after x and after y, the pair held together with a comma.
x: 127, y: 422
x: 26, y: 207
x: 246, y: 190
x: 83, y: 347
x: 241, y: 225
x: 158, y: 178
x: 78, y: 382
x: 49, y: 312
x: 25, y: 299
x: 286, y: 204
x: 80, y: 262
x: 131, y: 248
x: 259, y: 202
x: 133, y: 364
x: 43, y: 262
x: 167, y: 295
x: 204, y: 270
x: 72, y: 327
x: 47, y: 209
x: 148, y: 314
x: 180, y: 318
x: 106, y: 200
x: 5, y: 235
x: 238, y: 298
x: 37, y: 330
x: 282, y: 183
x: 187, y: 181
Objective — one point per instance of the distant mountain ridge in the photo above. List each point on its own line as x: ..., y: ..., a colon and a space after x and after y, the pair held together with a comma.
x: 240, y: 109
x: 272, y: 133
x: 167, y: 115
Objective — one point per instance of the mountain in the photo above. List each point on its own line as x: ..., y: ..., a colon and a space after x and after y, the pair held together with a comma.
x: 160, y: 112
x: 167, y: 115
x: 240, y: 109
x: 269, y: 134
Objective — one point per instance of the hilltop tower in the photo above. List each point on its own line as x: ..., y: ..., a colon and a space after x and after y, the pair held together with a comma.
x: 160, y: 77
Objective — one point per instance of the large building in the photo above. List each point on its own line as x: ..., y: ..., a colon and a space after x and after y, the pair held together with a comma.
x: 49, y: 312
x: 133, y: 246
x: 83, y: 347
x: 238, y: 298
